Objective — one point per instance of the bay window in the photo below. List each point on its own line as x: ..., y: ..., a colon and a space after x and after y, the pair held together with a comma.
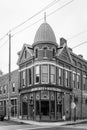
x: 45, y: 73
x: 53, y: 74
x: 37, y: 74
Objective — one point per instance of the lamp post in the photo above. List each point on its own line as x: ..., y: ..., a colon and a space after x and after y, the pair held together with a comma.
x: 9, y: 104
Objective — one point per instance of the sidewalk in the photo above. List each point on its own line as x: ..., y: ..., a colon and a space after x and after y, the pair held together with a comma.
x: 48, y: 123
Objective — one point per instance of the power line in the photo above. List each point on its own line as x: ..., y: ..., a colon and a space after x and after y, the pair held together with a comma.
x: 3, y: 44
x: 79, y: 44
x: 76, y: 35
x: 48, y: 6
x: 42, y: 18
x: 3, y: 37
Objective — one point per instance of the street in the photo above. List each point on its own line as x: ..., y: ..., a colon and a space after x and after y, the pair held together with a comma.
x: 11, y: 125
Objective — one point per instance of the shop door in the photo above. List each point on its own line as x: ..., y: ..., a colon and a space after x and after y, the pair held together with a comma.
x: 45, y: 108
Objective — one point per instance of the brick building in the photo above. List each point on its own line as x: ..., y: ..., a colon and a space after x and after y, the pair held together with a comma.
x: 4, y: 84
x: 51, y: 79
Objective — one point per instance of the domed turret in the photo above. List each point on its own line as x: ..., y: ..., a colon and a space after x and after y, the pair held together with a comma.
x: 45, y: 34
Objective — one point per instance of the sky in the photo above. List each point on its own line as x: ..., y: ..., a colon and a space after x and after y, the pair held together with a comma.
x: 67, y: 22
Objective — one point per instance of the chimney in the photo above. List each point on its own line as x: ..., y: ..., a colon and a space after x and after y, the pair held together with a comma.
x: 81, y: 56
x: 70, y: 49
x: 19, y: 53
x: 63, y: 41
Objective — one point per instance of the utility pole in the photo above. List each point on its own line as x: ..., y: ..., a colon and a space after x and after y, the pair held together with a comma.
x: 9, y: 102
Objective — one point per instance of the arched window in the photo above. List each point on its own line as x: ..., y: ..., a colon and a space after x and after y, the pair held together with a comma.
x: 25, y: 53
x: 53, y: 52
x: 45, y: 51
x: 36, y: 53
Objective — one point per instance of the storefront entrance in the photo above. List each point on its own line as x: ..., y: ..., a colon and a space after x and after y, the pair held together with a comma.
x: 44, y: 108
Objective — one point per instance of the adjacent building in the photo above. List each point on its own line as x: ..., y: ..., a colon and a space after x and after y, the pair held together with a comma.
x: 13, y: 92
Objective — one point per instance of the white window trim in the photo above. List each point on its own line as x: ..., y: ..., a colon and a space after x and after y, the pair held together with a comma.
x: 35, y: 75
x: 48, y: 75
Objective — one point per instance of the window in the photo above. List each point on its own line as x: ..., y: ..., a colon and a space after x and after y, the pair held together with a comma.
x: 0, y: 90
x: 60, y: 76
x: 84, y: 83
x: 13, y: 87
x: 23, y: 78
x: 66, y: 78
x: 30, y: 76
x: 37, y: 74
x: 14, y: 107
x: 53, y: 52
x: 4, y: 89
x: 53, y: 74
x: 78, y: 79
x: 44, y: 52
x: 25, y: 53
x: 45, y: 73
x: 36, y: 53
x: 73, y: 76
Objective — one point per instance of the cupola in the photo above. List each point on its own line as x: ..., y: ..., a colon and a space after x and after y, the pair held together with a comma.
x: 45, y: 34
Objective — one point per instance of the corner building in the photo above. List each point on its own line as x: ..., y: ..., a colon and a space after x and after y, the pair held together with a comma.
x: 50, y: 79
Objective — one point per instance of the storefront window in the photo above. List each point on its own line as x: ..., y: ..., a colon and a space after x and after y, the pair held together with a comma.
x: 45, y: 73
x: 14, y: 107
x: 53, y: 74
x: 37, y: 74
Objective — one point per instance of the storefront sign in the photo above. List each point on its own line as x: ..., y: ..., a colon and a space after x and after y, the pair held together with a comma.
x: 45, y: 88
x: 44, y: 94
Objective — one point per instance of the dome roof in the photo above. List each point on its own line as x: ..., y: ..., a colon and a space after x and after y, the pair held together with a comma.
x: 45, y: 34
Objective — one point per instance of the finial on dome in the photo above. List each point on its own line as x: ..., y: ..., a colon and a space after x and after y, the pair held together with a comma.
x: 44, y: 16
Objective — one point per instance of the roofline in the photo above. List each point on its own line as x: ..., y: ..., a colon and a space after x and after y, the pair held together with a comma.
x: 44, y: 42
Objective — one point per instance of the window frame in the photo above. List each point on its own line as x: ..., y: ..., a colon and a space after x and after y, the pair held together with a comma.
x: 13, y: 87
x: 54, y: 75
x: 36, y: 74
x: 45, y: 74
x: 60, y: 76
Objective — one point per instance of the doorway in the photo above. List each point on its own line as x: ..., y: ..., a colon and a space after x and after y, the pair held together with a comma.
x: 45, y: 108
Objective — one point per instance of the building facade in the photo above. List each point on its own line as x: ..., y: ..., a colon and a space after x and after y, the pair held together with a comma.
x: 51, y: 79
x: 13, y: 92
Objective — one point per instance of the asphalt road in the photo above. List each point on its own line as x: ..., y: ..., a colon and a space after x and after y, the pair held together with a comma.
x: 10, y: 125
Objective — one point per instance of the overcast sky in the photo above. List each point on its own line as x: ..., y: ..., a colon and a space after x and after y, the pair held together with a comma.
x: 66, y: 22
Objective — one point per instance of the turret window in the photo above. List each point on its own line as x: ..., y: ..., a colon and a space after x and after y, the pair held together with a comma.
x: 53, y: 52
x: 36, y: 53
x: 45, y: 52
